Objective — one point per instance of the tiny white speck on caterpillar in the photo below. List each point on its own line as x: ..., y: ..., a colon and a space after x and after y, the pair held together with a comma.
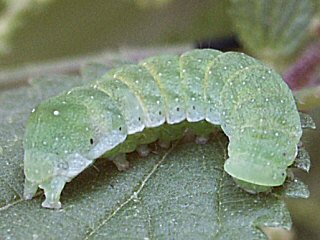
x: 56, y: 112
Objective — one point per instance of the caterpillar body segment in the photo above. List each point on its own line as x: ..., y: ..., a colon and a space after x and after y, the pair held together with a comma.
x: 159, y: 99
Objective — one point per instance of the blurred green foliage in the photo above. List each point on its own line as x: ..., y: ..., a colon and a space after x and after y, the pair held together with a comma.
x: 51, y: 29
x: 274, y: 29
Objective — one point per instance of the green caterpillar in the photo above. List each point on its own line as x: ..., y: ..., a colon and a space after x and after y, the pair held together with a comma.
x: 158, y: 99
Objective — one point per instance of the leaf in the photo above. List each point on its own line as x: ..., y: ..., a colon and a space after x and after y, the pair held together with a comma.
x: 272, y: 28
x: 181, y: 193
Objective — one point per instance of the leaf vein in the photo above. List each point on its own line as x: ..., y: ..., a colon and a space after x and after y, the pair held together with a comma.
x: 133, y: 196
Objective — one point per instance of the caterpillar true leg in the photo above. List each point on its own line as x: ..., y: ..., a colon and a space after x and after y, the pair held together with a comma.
x: 30, y: 189
x: 52, y: 190
x: 120, y: 161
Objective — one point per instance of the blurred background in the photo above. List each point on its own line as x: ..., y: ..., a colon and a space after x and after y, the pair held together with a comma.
x: 39, y: 37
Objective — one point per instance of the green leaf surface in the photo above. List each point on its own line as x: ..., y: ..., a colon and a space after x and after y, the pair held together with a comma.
x: 180, y: 193
x: 271, y: 29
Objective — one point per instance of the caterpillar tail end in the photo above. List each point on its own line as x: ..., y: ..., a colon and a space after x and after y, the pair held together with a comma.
x: 253, y: 177
x: 251, y: 188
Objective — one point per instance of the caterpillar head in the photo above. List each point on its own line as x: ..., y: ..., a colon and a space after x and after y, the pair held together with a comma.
x: 58, y: 141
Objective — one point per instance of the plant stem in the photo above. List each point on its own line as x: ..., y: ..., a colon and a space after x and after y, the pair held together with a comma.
x: 300, y: 73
